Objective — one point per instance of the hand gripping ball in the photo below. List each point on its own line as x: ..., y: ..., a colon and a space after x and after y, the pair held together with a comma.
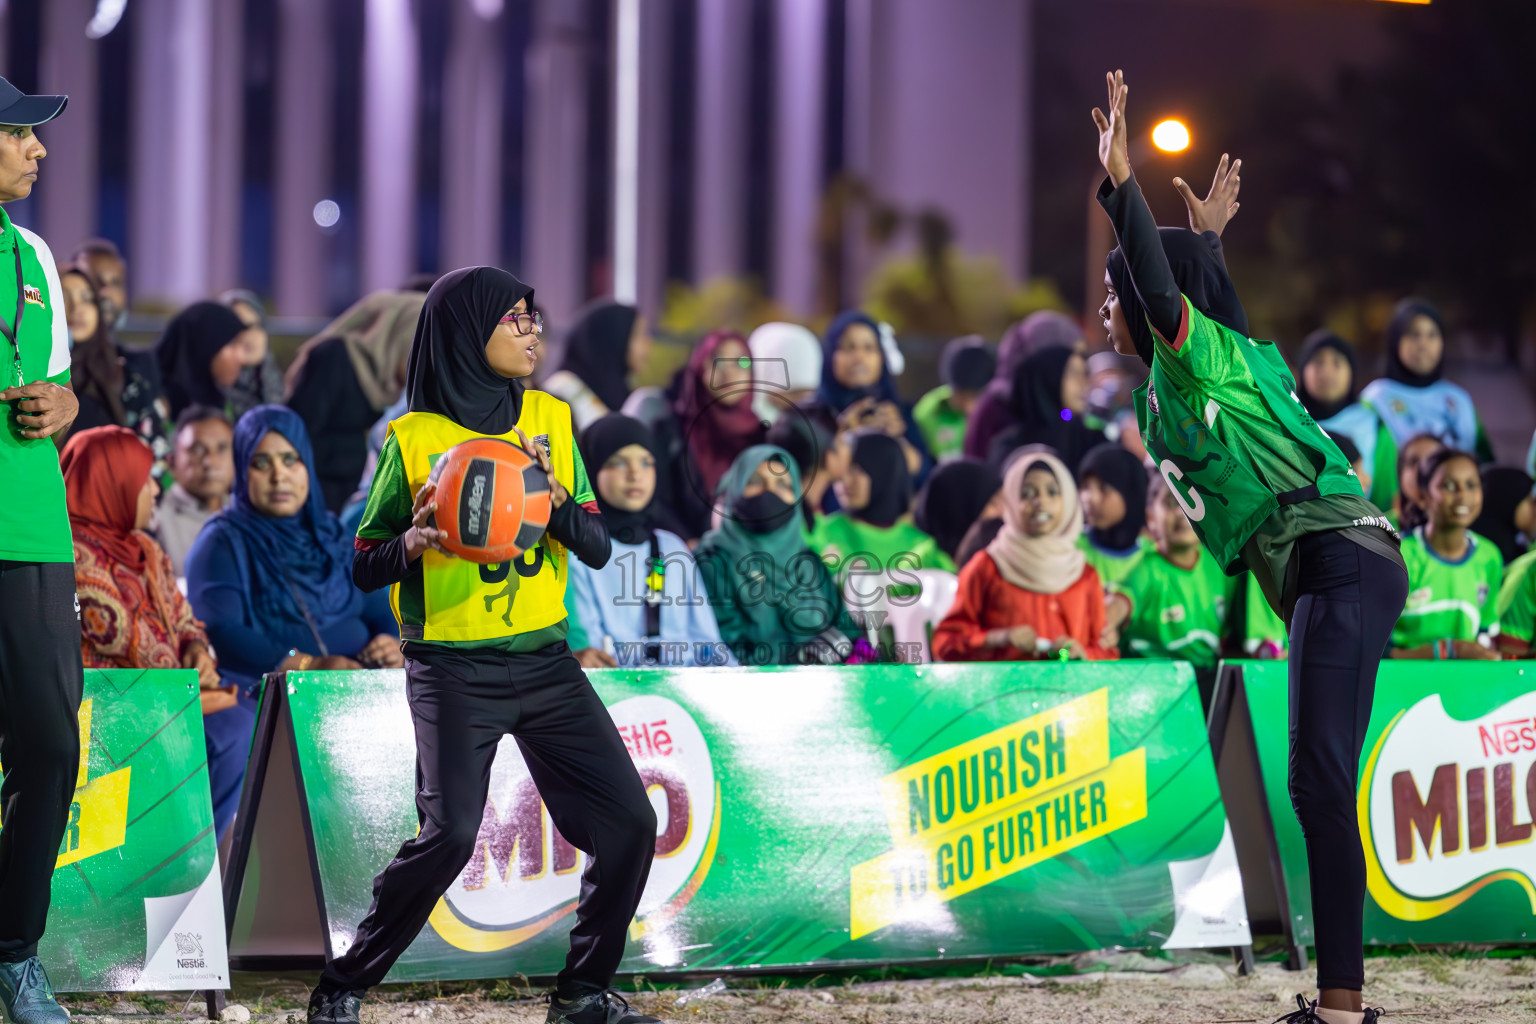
x: 492, y: 500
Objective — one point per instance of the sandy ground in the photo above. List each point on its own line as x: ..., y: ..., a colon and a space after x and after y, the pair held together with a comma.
x: 1429, y: 987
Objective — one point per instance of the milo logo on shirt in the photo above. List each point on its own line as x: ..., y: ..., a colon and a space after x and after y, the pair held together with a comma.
x: 1446, y: 807
x: 524, y: 876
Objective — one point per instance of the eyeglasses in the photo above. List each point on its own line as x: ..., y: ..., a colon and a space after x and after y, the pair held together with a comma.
x: 526, y: 323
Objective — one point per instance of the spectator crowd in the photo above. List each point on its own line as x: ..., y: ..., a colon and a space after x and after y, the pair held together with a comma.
x: 778, y: 502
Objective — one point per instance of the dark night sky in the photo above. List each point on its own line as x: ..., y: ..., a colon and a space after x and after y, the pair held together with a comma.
x: 1181, y: 57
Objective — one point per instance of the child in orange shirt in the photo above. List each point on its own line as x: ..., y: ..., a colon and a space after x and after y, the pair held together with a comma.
x: 1031, y: 593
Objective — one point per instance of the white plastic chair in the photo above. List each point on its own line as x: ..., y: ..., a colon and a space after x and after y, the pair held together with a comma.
x: 904, y: 620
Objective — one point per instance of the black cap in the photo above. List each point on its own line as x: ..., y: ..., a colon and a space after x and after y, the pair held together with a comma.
x: 16, y: 107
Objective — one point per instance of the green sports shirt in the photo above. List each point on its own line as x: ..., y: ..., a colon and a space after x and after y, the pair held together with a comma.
x: 1176, y: 613
x: 388, y: 514
x: 37, y: 529
x: 1259, y: 623
x: 1251, y: 468
x: 1517, y: 599
x: 1449, y: 600
x: 942, y: 425
x: 849, y: 545
x: 1111, y: 567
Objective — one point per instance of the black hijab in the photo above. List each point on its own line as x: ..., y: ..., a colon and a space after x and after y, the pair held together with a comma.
x: 976, y: 539
x: 1504, y: 488
x: 598, y: 443
x: 597, y: 350
x: 951, y: 501
x: 1200, y: 274
x: 1117, y: 468
x: 1315, y: 343
x: 448, y: 372
x: 890, y: 483
x: 1035, y: 402
x: 1402, y: 319
x: 185, y: 354
x: 96, y: 369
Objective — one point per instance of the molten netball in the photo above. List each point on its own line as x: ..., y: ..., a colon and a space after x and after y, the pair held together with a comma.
x: 493, y: 500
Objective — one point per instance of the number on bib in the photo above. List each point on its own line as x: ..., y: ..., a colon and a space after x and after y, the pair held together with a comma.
x: 1194, y: 507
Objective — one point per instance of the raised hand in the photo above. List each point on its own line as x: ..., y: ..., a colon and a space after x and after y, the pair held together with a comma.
x: 1220, y: 204
x: 1112, y: 146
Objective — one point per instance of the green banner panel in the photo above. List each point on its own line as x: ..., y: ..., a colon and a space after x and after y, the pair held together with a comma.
x: 136, y: 900
x: 813, y: 815
x: 1446, y: 795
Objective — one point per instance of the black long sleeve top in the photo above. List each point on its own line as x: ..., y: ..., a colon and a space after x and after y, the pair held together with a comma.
x: 1137, y: 234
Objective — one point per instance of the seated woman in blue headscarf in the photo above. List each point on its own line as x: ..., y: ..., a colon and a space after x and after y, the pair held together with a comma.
x: 857, y: 386
x: 271, y: 577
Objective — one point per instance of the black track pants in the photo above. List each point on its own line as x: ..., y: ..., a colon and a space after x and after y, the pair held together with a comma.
x: 40, y: 683
x: 462, y: 703
x: 1349, y: 599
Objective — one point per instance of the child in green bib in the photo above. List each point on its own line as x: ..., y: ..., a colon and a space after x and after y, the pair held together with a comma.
x: 1265, y: 489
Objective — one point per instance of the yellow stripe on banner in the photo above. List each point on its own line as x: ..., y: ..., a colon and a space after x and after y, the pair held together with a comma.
x: 971, y: 781
x: 85, y: 744
x: 98, y: 818
x: 910, y: 882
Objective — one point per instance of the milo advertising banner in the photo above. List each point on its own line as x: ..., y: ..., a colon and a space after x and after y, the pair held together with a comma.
x: 805, y: 816
x: 136, y: 902
x: 1447, y: 791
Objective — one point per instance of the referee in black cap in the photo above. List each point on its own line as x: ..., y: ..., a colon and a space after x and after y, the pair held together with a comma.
x: 40, y: 674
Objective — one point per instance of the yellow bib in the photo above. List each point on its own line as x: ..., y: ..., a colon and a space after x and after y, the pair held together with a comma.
x: 461, y: 600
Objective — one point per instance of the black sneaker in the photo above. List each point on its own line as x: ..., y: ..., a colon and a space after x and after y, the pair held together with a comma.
x: 1306, y: 1013
x: 333, y: 1007
x: 606, y: 1007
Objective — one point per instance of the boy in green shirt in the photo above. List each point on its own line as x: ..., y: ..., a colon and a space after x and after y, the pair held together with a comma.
x: 1517, y: 607
x: 965, y: 368
x: 1180, y: 598
x: 1179, y: 595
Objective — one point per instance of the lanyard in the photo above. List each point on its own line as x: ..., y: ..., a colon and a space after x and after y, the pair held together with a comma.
x: 655, y: 571
x: 9, y: 331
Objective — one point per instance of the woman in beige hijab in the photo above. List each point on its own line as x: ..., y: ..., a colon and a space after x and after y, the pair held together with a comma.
x: 344, y: 377
x: 1030, y: 594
